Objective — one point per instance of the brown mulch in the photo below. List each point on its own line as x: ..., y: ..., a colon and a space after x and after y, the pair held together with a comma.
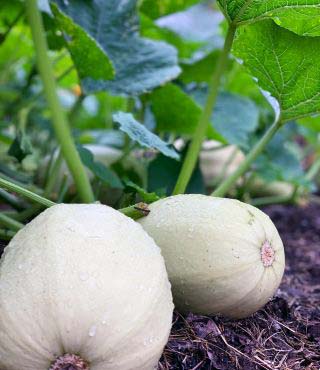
x: 284, y: 335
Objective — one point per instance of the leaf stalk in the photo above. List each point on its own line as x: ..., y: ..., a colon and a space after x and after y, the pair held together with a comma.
x: 201, y: 129
x: 60, y: 124
x: 24, y: 192
x: 225, y: 186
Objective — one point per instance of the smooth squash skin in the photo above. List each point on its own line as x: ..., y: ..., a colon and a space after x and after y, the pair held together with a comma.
x: 84, y: 284
x: 222, y: 256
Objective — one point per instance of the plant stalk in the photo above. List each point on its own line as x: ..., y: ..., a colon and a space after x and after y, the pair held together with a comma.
x: 276, y: 199
x: 225, y: 186
x: 59, y: 120
x: 201, y: 129
x: 313, y: 170
x: 53, y: 174
x: 10, y: 199
x: 6, y: 234
x: 10, y: 222
x: 24, y: 192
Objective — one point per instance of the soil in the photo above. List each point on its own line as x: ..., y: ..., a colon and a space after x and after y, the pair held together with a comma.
x: 283, y: 335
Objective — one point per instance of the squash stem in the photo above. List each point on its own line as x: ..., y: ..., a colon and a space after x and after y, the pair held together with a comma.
x: 24, y: 192
x: 60, y: 124
x: 201, y: 129
x: 136, y: 211
x: 225, y: 186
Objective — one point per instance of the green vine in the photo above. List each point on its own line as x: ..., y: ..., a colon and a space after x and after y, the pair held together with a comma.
x: 59, y: 120
x: 200, y: 133
x: 225, y: 186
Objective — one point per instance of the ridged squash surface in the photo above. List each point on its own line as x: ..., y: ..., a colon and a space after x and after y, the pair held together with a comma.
x: 83, y: 280
x: 222, y: 256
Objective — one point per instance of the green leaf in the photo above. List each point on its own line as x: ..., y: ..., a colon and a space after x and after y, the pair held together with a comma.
x: 55, y: 38
x: 311, y: 122
x: 285, y: 65
x: 102, y: 172
x: 176, y: 112
x: 200, y: 71
x: 234, y: 117
x: 163, y: 174
x: 185, y: 48
x: 199, y: 24
x: 280, y: 160
x: 21, y: 146
x: 143, y: 136
x: 140, y: 64
x: 157, y: 8
x: 300, y: 16
x: 89, y: 58
x: 145, y: 196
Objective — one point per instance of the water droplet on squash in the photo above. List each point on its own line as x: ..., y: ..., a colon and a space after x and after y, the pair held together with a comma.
x: 92, y: 331
x: 84, y: 276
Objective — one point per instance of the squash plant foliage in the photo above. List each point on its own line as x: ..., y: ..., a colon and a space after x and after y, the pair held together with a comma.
x: 153, y: 80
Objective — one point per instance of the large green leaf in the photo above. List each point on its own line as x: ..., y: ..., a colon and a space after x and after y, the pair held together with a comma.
x: 163, y: 175
x: 84, y: 50
x: 281, y: 160
x: 285, y: 65
x: 157, y: 8
x: 185, y: 48
x: 234, y: 117
x: 176, y: 112
x: 140, y: 64
x: 142, y: 135
x: 300, y: 16
x: 21, y: 146
x: 200, y: 24
x: 102, y: 172
x: 201, y: 70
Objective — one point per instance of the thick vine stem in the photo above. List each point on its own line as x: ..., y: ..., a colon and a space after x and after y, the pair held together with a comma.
x: 227, y: 184
x: 200, y: 132
x: 24, y: 192
x: 59, y: 120
x: 69, y: 362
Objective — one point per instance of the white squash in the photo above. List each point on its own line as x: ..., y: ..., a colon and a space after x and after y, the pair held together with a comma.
x: 260, y: 188
x: 213, y: 161
x: 222, y: 256
x: 219, y: 164
x: 104, y: 154
x: 83, y: 285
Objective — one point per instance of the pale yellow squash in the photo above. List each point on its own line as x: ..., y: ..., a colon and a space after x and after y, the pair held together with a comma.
x: 222, y: 256
x: 83, y: 285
